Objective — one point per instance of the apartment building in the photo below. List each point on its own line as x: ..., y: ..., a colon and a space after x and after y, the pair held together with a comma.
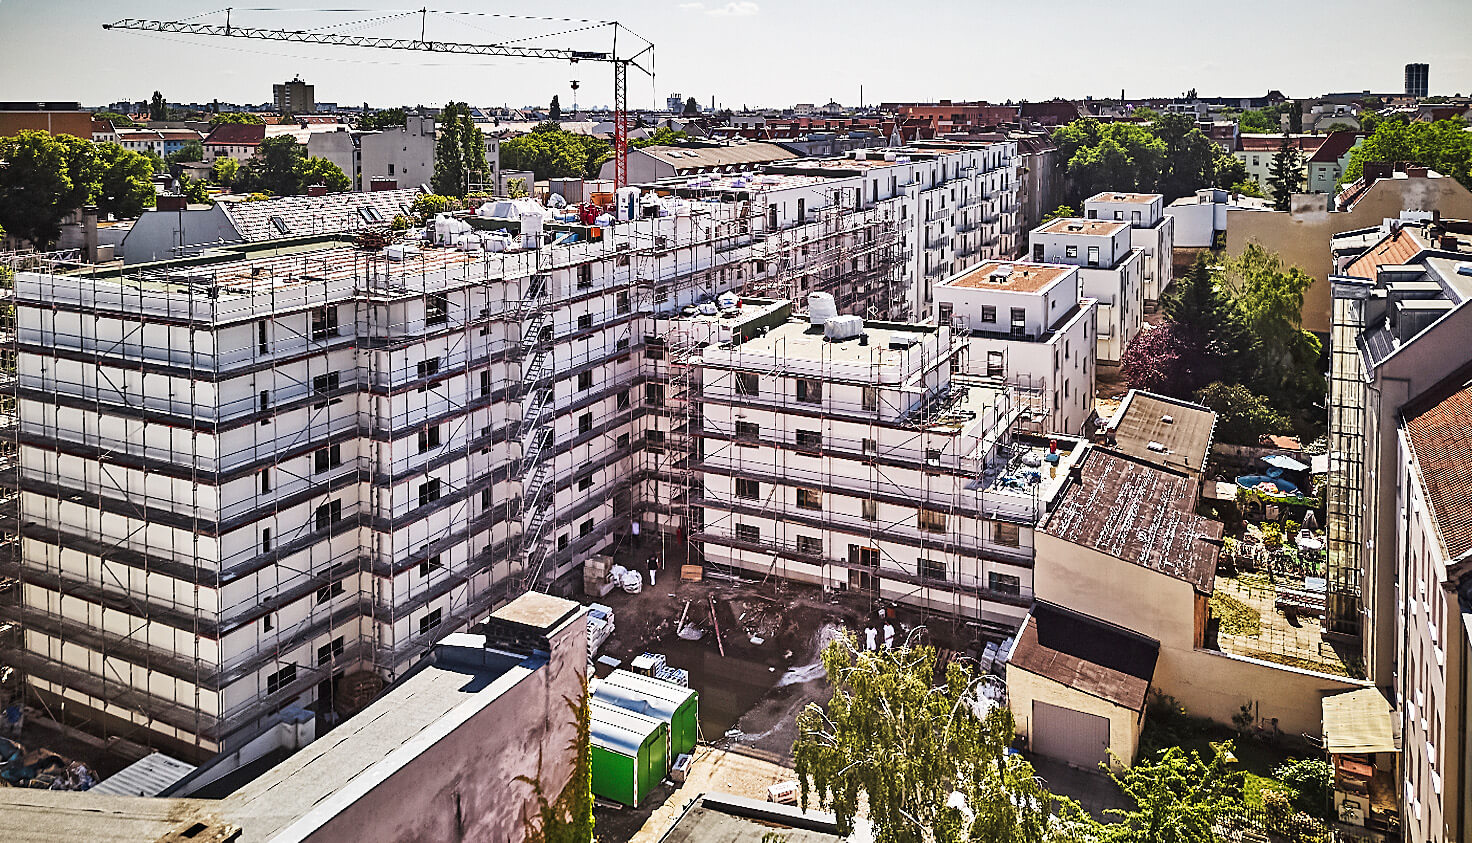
x: 1152, y: 231
x: 852, y: 456
x: 273, y: 474
x: 1027, y: 326
x: 1110, y: 271
x: 1397, y: 415
x: 403, y: 155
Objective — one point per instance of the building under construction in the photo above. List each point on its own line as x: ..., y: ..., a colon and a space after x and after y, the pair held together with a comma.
x: 275, y: 473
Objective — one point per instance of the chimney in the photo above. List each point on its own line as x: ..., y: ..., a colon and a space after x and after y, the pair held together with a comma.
x: 317, y: 190
x: 377, y: 184
x: 1376, y: 170
x: 89, y: 233
x: 1415, y: 171
x: 171, y: 202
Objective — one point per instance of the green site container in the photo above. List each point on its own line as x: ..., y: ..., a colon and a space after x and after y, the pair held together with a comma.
x: 676, y: 705
x: 629, y: 756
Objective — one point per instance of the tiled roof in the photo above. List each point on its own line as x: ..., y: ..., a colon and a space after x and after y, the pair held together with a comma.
x: 1439, y: 433
x: 1333, y: 148
x: 306, y: 216
x: 1086, y: 654
x: 237, y: 134
x: 1131, y: 510
x: 1397, y: 248
x: 1307, y: 144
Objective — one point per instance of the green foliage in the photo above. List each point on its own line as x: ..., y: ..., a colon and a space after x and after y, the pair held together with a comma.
x: 119, y: 121
x: 312, y: 171
x: 1235, y: 617
x: 663, y: 136
x: 1242, y: 416
x: 449, y: 157
x: 1340, y: 126
x: 1287, y: 358
x: 1211, y: 327
x: 568, y: 819
x: 191, y: 151
x: 1178, y: 796
x: 1169, y: 156
x: 1190, y: 157
x: 224, y: 171
x: 281, y: 167
x: 551, y: 153
x: 41, y: 183
x: 1247, y: 188
x: 473, y: 147
x: 1311, y: 781
x: 194, y: 190
x: 1443, y: 146
x: 1272, y: 534
x: 157, y: 108
x: 1060, y: 212
x: 1285, y: 174
x: 236, y: 117
x: 1261, y: 121
x: 391, y: 118
x: 125, y: 183
x: 516, y: 189
x: 894, y: 743
x: 426, y: 205
x: 1230, y: 171
x: 399, y: 223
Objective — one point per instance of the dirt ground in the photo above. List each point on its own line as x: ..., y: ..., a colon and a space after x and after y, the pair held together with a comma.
x: 714, y: 771
x: 1109, y: 389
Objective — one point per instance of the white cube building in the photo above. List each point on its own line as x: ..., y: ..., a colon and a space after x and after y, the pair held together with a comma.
x: 1152, y: 231
x: 1111, y: 272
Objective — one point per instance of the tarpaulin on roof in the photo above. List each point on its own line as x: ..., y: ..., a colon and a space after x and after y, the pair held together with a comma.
x: 1359, y: 722
x: 1285, y: 463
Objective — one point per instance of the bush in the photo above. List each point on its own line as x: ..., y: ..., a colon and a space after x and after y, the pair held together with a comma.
x: 1310, y: 781
x: 429, y: 204
x: 1241, y: 415
x: 1272, y: 535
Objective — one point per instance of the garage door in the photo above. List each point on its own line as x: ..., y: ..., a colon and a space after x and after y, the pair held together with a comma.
x: 1076, y: 737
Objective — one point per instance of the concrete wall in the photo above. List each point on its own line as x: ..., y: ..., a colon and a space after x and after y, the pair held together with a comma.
x: 464, y: 786
x: 1302, y: 239
x: 1215, y: 685
x: 1024, y: 688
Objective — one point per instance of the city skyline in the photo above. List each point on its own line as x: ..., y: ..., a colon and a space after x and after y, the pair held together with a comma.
x: 766, y: 57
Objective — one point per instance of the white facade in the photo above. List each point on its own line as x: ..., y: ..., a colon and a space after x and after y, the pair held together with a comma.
x: 863, y: 464
x: 1027, y: 326
x: 1152, y: 231
x: 1111, y: 272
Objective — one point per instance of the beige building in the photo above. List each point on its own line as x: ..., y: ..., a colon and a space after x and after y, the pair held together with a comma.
x: 1302, y: 236
x: 1077, y: 687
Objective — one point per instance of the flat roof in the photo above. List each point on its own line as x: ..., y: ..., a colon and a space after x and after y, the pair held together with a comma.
x: 537, y: 610
x: 734, y: 819
x: 1080, y: 226
x: 1163, y: 430
x: 1086, y: 654
x: 1014, y: 277
x: 1130, y: 198
x: 1145, y: 515
x: 799, y: 339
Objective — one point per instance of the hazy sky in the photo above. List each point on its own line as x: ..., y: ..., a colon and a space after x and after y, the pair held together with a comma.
x: 753, y: 52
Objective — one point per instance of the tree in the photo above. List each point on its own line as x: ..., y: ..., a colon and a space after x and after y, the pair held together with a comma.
x: 118, y: 121
x: 1269, y: 297
x: 273, y: 169
x: 1060, y: 212
x: 1208, y: 324
x: 125, y: 186
x: 1190, y: 157
x: 1295, y: 116
x: 426, y: 205
x: 1311, y: 781
x: 194, y: 190
x: 1159, y: 360
x: 41, y: 183
x: 449, y: 158
x: 392, y: 118
x: 192, y: 150
x: 314, y: 171
x: 663, y: 136
x: 236, y: 117
x: 1247, y: 188
x: 157, y: 108
x: 1178, y: 798
x: 1340, y: 126
x: 1285, y: 174
x: 1109, y: 156
x: 1242, y: 416
x: 473, y: 146
x: 921, y: 758
x: 1261, y: 121
x: 551, y: 153
x: 1228, y: 170
x: 516, y: 189
x: 554, y: 113
x: 692, y: 108
x: 224, y: 170
x: 1443, y: 146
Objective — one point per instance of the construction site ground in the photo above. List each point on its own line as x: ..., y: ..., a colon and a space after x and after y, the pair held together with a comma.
x: 713, y: 771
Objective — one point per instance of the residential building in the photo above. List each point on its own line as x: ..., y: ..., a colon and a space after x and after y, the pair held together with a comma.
x: 160, y: 142
x: 1302, y: 236
x: 1397, y: 395
x: 1111, y: 272
x: 1418, y: 80
x: 1152, y: 231
x: 1028, y: 327
x: 234, y: 140
x: 1256, y: 152
x: 651, y: 163
x: 1201, y: 220
x: 294, y: 97
x: 946, y: 117
x: 412, y: 765
x: 405, y: 155
x: 58, y: 118
x: 1039, y: 181
x: 164, y: 234
x: 862, y: 463
x: 385, y: 444
x: 104, y: 132
x: 1327, y: 164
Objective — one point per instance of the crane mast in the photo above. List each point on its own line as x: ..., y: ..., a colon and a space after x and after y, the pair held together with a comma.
x: 621, y: 65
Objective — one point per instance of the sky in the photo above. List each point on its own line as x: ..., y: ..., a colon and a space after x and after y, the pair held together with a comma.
x: 748, y: 52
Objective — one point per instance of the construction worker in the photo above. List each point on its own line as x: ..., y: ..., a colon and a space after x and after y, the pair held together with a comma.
x: 653, y: 567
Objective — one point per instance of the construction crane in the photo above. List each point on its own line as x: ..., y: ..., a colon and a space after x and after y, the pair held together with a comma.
x: 621, y: 64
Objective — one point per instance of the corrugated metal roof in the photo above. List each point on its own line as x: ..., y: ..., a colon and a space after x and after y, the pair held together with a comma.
x: 1087, y: 655
x: 148, y: 776
x: 701, y: 157
x: 618, y: 729
x: 640, y: 694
